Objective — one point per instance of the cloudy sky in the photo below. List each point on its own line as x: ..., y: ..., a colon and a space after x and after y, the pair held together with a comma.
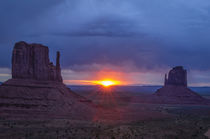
x: 136, y: 41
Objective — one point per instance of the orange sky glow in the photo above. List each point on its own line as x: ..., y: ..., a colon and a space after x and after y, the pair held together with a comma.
x: 105, y: 78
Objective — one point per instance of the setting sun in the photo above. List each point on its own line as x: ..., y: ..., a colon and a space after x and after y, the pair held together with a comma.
x: 107, y: 83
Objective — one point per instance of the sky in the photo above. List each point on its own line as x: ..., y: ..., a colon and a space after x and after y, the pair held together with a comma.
x: 135, y: 41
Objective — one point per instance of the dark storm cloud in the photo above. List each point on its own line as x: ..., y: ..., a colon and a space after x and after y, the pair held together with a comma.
x: 149, y: 34
x: 106, y: 26
x: 14, y: 13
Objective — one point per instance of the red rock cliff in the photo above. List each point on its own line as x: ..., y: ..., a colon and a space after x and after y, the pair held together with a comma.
x: 31, y: 61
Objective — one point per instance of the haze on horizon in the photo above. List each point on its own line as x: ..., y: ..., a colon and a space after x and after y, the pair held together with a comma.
x: 133, y: 41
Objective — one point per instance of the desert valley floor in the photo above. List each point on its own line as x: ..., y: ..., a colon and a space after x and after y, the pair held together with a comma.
x: 119, y: 116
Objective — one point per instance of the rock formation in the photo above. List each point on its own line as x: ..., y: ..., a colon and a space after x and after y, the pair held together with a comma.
x: 36, y: 88
x: 175, y: 89
x: 31, y: 61
x: 177, y: 76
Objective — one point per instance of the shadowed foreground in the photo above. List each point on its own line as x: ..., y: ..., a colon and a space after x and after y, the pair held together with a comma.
x: 185, y: 122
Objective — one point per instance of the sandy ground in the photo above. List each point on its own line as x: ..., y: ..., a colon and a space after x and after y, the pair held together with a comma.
x: 117, y: 117
x: 171, y: 122
x: 208, y: 133
x: 182, y: 126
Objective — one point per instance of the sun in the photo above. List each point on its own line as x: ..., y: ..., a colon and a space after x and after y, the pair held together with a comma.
x: 107, y: 83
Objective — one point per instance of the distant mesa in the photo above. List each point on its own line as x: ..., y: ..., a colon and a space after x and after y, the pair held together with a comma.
x: 36, y: 88
x: 175, y: 88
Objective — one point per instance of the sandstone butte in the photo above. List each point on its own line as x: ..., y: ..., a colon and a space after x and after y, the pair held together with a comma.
x: 176, y: 91
x: 36, y: 88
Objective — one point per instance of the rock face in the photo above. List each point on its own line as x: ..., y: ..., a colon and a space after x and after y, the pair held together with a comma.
x: 31, y: 61
x: 175, y: 89
x: 177, y: 76
x: 36, y: 89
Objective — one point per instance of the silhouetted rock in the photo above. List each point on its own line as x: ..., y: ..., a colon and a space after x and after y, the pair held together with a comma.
x: 36, y: 89
x: 175, y: 89
x: 177, y: 76
x: 31, y: 61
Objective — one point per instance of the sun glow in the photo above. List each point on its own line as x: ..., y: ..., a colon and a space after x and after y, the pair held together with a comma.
x: 107, y: 83
x: 103, y: 78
